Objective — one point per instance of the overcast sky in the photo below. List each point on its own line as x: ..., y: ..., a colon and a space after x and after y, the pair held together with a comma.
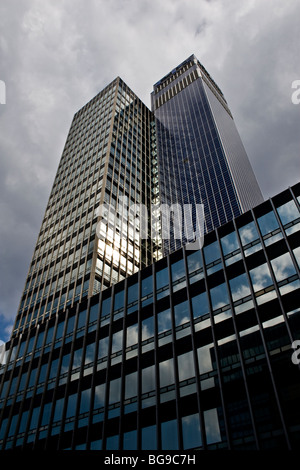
x: 56, y: 55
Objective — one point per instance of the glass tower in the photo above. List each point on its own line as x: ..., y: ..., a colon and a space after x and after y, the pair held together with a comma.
x: 200, y: 154
x: 109, y: 158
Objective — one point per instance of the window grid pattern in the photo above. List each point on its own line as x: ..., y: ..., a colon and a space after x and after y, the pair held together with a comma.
x: 200, y: 154
x: 191, y: 352
x: 109, y: 152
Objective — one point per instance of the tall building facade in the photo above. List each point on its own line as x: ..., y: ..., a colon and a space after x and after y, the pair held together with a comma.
x: 108, y: 159
x: 118, y: 348
x: 192, y: 352
x: 201, y: 157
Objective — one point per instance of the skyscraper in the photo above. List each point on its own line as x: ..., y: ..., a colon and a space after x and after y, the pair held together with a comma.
x: 118, y: 348
x: 107, y: 159
x: 200, y: 154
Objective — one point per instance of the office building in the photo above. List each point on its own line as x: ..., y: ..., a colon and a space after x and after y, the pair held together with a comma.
x: 107, y: 161
x: 192, y: 352
x: 200, y: 154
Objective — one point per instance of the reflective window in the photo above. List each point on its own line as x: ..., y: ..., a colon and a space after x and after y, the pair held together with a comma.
x: 105, y: 311
x: 147, y: 328
x: 205, y: 358
x: 64, y: 368
x: 94, y: 313
x: 30, y: 345
x: 34, y: 418
x: 283, y: 267
x: 89, y: 353
x: 230, y: 248
x: 96, y: 445
x: 13, y: 425
x: 3, y: 428
x: 166, y: 373
x: 195, y: 267
x: 148, y: 379
x: 288, y: 212
x: 22, y: 349
x: 71, y: 408
x: 112, y: 443
x: 59, y: 405
x: 229, y: 243
x: 178, y: 275
x: 262, y: 283
x: 85, y: 401
x: 39, y: 340
x: 250, y: 238
x: 59, y: 331
x: 13, y: 385
x: 43, y: 371
x: 182, y: 314
x: 130, y: 440
x: 32, y: 378
x: 132, y: 335
x: 162, y: 283
x: 119, y: 300
x: 130, y: 385
x: 77, y: 358
x: 114, y: 390
x: 296, y: 252
x: 70, y: 327
x: 147, y: 286
x: 267, y: 223
x: 191, y: 432
x: 200, y: 305
x: 149, y: 438
x: 212, y: 257
x: 164, y: 321
x: 211, y: 252
x: 81, y: 319
x: 53, y: 369
x: 219, y: 296
x: 117, y: 341
x: 99, y: 398
x: 132, y: 295
x: 212, y: 426
x: 147, y: 291
x: 239, y: 287
x: 22, y: 382
x: 103, y: 347
x: 23, y: 422
x: 260, y: 277
x: 186, y: 367
x: 169, y: 438
x: 49, y: 336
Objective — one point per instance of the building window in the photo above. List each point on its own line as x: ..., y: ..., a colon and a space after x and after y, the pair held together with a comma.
x: 130, y: 440
x: 169, y: 436
x: 288, y: 212
x: 219, y: 296
x: 149, y: 438
x: 191, y: 432
x: 166, y: 373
